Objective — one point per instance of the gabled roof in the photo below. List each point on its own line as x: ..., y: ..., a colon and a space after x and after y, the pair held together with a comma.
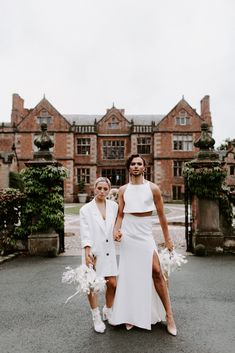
x: 145, y: 119
x: 82, y: 119
x: 182, y: 103
x: 119, y: 113
x: 44, y: 103
x: 86, y: 119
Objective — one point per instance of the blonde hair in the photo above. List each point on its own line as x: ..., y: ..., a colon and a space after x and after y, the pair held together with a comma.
x: 102, y: 180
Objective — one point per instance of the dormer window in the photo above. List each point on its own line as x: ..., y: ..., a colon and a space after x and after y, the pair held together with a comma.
x: 44, y: 117
x: 114, y: 123
x: 182, y: 119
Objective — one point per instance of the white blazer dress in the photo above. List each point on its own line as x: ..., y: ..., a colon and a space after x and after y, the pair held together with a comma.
x: 98, y: 234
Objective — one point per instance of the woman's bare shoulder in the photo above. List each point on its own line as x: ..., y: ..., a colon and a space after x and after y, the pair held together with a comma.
x: 122, y: 188
x: 154, y: 187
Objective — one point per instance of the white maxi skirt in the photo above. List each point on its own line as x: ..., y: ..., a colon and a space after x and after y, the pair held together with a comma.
x: 136, y: 301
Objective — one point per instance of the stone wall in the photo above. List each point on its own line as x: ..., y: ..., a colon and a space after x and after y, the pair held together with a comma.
x: 6, y: 164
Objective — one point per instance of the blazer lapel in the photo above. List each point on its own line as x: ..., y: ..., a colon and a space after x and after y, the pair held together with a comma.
x: 97, y: 215
x: 109, y: 215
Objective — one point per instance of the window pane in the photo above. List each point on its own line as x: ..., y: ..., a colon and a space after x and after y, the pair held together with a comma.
x: 83, y: 146
x: 113, y: 149
x: 176, y: 192
x: 183, y: 142
x: 144, y: 145
x: 182, y: 119
x: 117, y: 177
x: 83, y: 174
x: 177, y: 168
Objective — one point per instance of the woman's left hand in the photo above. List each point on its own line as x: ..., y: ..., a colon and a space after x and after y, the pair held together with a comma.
x: 169, y: 244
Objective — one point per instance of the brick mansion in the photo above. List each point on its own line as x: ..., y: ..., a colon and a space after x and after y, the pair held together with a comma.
x: 98, y: 145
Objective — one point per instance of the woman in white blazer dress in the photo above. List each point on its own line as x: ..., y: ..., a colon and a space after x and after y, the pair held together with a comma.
x: 97, y: 219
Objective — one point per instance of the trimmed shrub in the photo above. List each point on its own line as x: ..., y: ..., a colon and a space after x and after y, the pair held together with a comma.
x: 11, y: 201
x: 44, y: 206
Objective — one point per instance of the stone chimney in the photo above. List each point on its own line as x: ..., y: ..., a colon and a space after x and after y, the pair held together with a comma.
x: 18, y: 111
x: 205, y: 110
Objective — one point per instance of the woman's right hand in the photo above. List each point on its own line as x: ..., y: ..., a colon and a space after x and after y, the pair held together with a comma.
x: 89, y: 259
x: 117, y: 235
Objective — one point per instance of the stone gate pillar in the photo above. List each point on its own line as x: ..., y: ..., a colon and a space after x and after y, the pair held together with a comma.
x: 43, y: 243
x: 206, y: 232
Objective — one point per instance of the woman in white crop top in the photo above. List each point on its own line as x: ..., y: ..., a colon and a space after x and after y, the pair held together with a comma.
x: 142, y: 297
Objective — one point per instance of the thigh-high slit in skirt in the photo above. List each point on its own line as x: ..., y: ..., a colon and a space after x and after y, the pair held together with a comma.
x: 136, y: 300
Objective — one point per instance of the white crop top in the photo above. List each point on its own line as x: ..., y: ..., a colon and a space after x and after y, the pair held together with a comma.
x: 138, y: 198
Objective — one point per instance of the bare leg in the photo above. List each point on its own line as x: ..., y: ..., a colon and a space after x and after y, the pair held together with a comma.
x: 110, y: 291
x: 109, y: 297
x: 93, y: 300
x: 160, y: 285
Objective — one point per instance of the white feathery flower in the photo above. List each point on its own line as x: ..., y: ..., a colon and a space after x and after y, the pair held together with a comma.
x: 171, y: 261
x: 85, y: 280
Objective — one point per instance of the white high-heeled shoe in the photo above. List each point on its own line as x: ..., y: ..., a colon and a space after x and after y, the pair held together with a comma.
x: 106, y: 313
x: 171, y: 328
x: 99, y: 326
x: 129, y: 326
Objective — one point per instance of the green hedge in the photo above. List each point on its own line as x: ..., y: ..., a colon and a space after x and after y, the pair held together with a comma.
x: 11, y: 201
x: 44, y: 206
x: 15, y: 181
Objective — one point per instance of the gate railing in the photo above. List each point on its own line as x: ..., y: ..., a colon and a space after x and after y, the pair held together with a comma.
x: 188, y: 216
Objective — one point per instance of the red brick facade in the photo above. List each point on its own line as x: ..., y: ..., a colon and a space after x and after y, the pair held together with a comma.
x: 229, y: 160
x: 90, y: 146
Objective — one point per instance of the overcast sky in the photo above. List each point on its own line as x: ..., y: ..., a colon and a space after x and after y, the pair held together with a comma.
x: 143, y: 55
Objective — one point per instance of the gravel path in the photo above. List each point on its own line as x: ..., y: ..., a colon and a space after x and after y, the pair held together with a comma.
x: 174, y: 213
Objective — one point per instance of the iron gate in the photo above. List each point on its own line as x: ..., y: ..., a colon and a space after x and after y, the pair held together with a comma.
x: 61, y: 231
x: 188, y: 216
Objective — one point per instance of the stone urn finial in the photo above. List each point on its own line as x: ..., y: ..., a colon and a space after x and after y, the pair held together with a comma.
x: 44, y: 143
x: 205, y: 141
x: 206, y: 145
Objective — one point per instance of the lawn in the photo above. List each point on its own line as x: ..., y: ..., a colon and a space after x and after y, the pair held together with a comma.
x: 75, y: 210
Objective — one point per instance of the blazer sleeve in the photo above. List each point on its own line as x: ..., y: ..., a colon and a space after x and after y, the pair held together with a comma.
x: 84, y: 230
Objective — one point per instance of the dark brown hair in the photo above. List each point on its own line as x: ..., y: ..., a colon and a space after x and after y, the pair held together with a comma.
x: 130, y: 159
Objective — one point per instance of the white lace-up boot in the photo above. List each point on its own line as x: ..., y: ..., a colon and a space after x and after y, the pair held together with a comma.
x: 99, y: 326
x: 107, y: 313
